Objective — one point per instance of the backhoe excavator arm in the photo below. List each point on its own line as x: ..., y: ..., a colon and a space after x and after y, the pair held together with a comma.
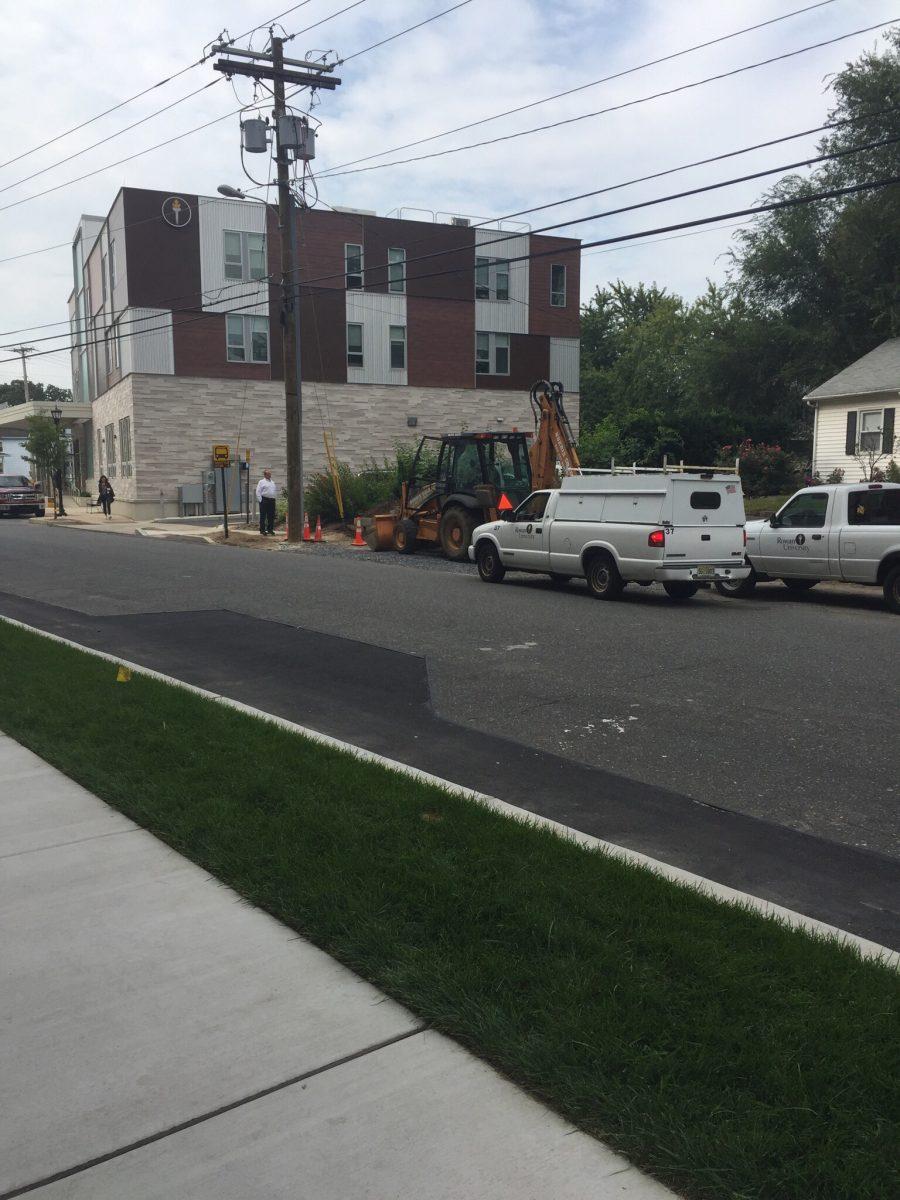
x: 554, y: 442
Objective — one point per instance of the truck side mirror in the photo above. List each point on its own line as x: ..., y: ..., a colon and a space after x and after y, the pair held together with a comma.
x: 773, y: 521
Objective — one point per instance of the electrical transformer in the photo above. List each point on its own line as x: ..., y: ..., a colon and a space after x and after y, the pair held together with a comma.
x: 297, y: 138
x: 253, y: 133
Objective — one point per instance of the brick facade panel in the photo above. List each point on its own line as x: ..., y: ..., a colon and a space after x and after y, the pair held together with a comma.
x: 544, y: 319
x: 200, y: 349
x: 441, y: 343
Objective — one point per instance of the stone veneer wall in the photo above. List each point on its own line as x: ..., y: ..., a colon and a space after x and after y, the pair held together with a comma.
x: 176, y: 421
x: 110, y: 408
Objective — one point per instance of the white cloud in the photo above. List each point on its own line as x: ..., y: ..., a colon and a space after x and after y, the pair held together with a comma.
x: 73, y: 61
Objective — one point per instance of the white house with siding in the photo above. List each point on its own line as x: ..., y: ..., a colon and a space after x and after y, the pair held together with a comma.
x: 855, y: 414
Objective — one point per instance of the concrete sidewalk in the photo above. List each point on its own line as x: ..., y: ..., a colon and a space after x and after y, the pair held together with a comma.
x: 164, y: 1039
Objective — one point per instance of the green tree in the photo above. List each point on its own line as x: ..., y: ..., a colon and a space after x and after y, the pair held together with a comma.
x: 14, y: 392
x: 45, y: 447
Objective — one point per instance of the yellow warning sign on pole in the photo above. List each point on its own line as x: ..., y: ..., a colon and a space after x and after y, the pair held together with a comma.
x: 221, y: 456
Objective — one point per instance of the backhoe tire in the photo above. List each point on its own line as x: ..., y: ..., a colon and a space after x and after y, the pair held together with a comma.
x: 603, y: 578
x: 405, y: 536
x: 490, y: 568
x: 737, y: 588
x: 679, y: 589
x: 456, y: 533
x: 799, y: 585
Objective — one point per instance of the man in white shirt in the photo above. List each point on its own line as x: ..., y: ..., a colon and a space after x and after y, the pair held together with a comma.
x: 266, y: 492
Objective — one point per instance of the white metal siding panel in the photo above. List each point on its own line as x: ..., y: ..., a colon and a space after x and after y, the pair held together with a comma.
x: 148, y: 347
x: 117, y: 235
x: 221, y: 294
x: 831, y: 434
x: 564, y: 362
x: 504, y: 316
x: 376, y: 312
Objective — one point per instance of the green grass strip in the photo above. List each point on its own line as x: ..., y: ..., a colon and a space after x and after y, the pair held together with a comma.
x: 727, y: 1055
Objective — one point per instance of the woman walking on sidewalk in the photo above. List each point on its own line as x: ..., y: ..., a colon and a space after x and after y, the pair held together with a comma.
x: 106, y: 496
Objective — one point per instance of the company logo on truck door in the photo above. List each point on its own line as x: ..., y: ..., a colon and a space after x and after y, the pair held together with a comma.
x: 794, y: 543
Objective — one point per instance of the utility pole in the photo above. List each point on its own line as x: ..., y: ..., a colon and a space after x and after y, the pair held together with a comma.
x: 299, y: 144
x: 290, y: 330
x: 24, y: 351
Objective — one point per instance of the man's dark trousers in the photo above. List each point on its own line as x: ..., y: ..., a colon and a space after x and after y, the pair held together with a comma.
x: 267, y: 514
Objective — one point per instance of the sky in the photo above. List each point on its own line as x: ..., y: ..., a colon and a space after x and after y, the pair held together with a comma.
x: 72, y: 62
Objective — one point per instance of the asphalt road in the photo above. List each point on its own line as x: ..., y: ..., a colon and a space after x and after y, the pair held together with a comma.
x: 781, y: 708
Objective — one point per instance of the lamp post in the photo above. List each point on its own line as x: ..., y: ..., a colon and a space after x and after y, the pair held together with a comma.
x: 58, y: 507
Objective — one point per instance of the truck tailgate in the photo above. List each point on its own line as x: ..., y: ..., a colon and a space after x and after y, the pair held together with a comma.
x: 707, y: 523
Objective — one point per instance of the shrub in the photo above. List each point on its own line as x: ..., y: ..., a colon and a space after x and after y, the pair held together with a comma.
x: 372, y: 488
x: 765, y: 470
x: 836, y: 476
x: 892, y: 474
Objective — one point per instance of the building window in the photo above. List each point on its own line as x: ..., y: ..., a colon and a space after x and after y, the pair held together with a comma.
x: 354, y: 345
x: 871, y: 425
x: 247, y: 338
x: 491, y: 279
x: 112, y: 265
x: 398, y: 347
x: 99, y: 452
x: 353, y: 266
x: 396, y: 270
x: 245, y: 255
x: 491, y: 353
x: 125, y: 445
x: 557, y: 286
x: 104, y: 268
x: 111, y: 450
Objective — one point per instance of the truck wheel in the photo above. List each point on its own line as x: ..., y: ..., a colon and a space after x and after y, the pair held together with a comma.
x: 603, y: 578
x: 405, y: 536
x: 737, y: 587
x: 456, y: 533
x: 892, y: 589
x: 799, y: 585
x: 679, y: 589
x: 490, y: 568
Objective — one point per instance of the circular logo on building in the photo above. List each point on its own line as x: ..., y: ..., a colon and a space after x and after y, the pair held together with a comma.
x: 176, y: 212
x: 800, y: 539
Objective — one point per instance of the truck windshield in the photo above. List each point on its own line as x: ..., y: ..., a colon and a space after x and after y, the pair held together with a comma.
x: 14, y: 481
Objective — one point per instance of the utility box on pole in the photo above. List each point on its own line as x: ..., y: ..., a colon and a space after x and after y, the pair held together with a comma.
x: 297, y: 138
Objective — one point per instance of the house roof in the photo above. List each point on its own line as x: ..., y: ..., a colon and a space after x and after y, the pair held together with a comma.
x: 877, y: 371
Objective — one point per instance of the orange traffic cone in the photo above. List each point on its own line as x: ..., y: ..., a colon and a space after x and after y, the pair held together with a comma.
x: 307, y: 533
x: 318, y: 536
x: 358, y: 537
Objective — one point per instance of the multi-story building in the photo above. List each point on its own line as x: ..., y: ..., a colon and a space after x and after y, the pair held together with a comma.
x: 409, y: 326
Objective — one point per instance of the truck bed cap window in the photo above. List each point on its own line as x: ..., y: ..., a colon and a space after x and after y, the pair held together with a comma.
x: 706, y: 499
x: 874, y: 508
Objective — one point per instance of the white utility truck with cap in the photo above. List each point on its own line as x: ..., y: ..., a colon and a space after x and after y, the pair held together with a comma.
x: 678, y: 526
x: 839, y: 531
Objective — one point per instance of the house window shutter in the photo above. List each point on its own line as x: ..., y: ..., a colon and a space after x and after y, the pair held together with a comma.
x: 887, y: 431
x: 850, y: 447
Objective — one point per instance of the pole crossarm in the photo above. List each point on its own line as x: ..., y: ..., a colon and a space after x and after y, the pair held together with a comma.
x: 313, y: 79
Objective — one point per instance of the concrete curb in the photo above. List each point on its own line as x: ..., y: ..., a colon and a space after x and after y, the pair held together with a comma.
x: 709, y: 887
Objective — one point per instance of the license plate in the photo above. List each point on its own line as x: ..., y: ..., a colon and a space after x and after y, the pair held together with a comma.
x: 705, y: 572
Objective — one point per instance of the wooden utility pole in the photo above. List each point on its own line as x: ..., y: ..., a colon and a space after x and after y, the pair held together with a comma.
x: 271, y: 66
x: 290, y: 329
x: 24, y: 351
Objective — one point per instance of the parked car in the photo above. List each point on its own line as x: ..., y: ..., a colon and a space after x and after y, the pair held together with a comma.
x: 19, y: 497
x: 677, y: 528
x: 846, y: 531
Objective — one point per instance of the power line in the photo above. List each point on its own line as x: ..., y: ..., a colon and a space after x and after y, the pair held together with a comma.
x: 584, y: 86
x: 504, y: 239
x: 394, y: 36
x: 754, y: 210
x: 335, y: 173
x: 110, y: 137
x: 144, y: 92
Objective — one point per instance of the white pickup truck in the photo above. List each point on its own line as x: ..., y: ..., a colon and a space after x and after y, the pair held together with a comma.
x: 615, y: 527
x: 845, y: 531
